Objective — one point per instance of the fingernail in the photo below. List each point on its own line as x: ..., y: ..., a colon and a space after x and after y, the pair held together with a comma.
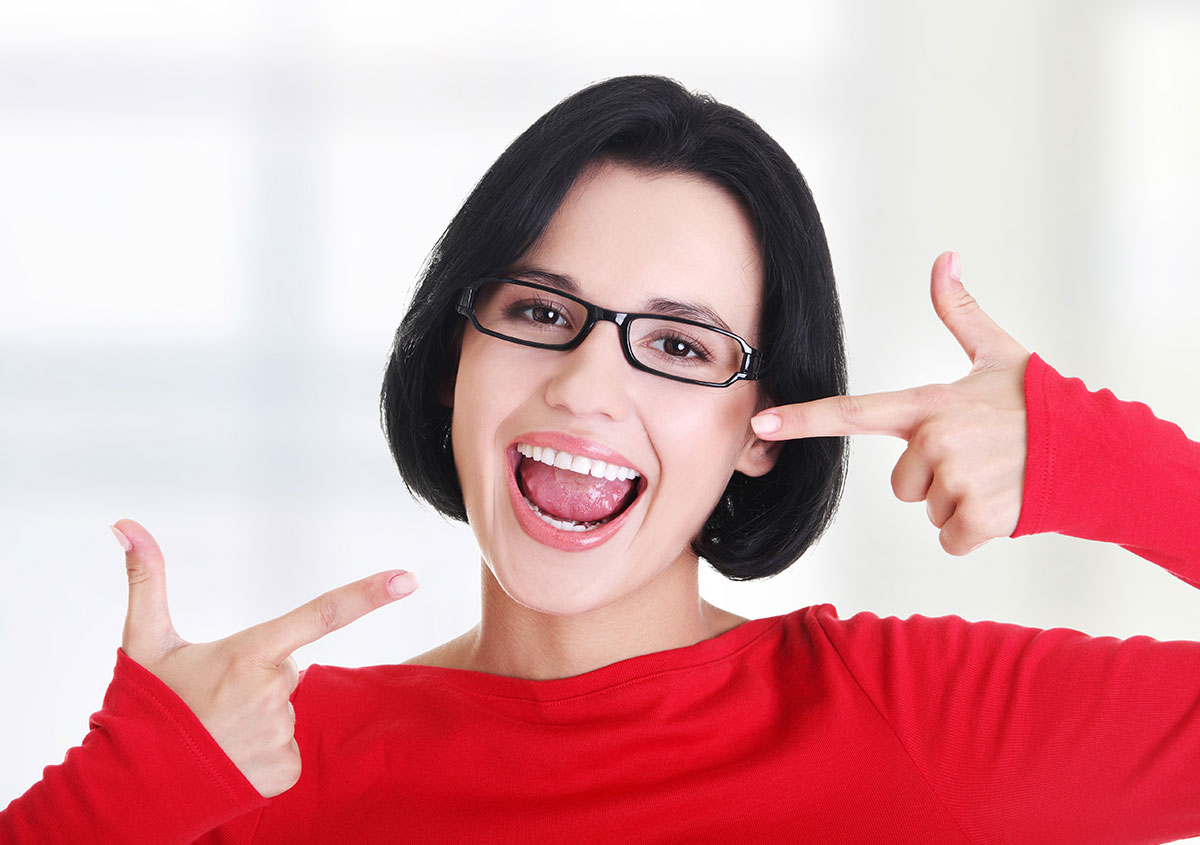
x: 121, y: 538
x: 765, y: 423
x: 403, y: 584
x: 955, y: 267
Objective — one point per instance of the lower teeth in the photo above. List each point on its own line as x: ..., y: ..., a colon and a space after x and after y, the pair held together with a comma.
x: 562, y: 525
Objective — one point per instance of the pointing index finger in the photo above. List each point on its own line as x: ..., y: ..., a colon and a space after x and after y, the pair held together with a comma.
x: 274, y: 641
x: 895, y: 413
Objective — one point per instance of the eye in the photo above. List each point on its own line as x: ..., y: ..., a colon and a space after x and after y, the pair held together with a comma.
x: 678, y: 346
x: 534, y: 311
x: 545, y: 314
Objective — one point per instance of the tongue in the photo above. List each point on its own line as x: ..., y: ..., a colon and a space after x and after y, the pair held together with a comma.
x: 570, y: 495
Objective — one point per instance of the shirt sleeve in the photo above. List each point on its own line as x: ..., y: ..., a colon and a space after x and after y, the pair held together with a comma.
x: 147, y: 771
x: 1031, y: 735
x: 1037, y: 736
x: 1108, y: 470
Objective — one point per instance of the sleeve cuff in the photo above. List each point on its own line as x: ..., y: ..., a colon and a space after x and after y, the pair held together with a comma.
x: 1039, y: 460
x: 176, y: 759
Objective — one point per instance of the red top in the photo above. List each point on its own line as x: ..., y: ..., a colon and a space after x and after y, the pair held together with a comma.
x: 798, y: 727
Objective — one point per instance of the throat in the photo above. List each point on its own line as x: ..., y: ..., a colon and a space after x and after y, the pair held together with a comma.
x: 518, y: 641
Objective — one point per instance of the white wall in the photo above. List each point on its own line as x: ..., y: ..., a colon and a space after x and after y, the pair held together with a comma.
x: 211, y: 215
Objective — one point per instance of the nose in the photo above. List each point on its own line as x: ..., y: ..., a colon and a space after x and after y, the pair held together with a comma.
x: 593, y: 378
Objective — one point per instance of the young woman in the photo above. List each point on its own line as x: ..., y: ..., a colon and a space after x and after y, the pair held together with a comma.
x: 626, y: 354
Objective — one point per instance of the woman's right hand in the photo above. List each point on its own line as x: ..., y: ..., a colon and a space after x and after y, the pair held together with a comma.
x: 239, y: 687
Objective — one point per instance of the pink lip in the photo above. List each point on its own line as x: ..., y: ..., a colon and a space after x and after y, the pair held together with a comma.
x: 539, y: 529
x: 576, y: 446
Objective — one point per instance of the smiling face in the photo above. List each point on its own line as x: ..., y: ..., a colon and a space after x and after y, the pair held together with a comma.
x: 625, y: 237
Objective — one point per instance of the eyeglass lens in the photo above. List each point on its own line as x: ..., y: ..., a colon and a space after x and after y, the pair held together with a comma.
x: 676, y: 349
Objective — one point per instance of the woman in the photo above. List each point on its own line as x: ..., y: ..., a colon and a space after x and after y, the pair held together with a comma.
x: 626, y: 354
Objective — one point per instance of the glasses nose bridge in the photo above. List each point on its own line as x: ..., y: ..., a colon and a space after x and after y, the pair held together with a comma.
x: 604, y: 315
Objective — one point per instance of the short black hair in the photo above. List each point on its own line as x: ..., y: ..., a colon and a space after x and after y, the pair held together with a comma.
x: 761, y: 525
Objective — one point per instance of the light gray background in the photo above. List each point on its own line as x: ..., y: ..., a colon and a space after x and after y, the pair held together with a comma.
x: 211, y: 215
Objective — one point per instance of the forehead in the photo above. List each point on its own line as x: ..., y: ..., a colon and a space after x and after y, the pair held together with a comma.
x: 627, y: 237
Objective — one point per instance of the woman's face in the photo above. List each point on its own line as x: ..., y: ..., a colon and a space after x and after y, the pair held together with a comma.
x: 625, y: 237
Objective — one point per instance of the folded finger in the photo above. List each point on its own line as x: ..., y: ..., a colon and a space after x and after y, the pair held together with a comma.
x: 962, y: 533
x: 940, y: 504
x: 912, y: 476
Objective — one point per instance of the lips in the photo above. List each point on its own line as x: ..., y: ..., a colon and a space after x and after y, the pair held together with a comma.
x: 577, y: 513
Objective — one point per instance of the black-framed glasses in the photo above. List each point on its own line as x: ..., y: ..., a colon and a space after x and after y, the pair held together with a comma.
x: 547, y: 318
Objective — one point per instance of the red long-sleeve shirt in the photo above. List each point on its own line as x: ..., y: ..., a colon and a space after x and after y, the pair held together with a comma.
x: 803, y: 727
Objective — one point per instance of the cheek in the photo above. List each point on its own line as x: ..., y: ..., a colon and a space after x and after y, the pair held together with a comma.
x: 703, y: 437
x: 482, y: 400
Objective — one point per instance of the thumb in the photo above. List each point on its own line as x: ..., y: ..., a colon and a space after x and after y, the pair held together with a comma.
x: 148, y: 629
x: 987, y: 345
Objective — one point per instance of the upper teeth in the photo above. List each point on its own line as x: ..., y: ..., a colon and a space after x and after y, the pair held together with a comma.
x: 576, y: 463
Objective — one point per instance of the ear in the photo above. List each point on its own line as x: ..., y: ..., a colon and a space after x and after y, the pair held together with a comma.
x: 758, y: 456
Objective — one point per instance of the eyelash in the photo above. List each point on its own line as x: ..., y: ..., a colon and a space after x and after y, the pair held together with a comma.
x: 702, y: 354
x: 518, y: 309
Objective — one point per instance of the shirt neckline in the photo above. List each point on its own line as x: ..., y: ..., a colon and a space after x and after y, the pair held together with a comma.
x: 629, y: 670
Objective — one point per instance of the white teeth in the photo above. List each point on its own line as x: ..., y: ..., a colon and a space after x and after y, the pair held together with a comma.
x: 576, y: 463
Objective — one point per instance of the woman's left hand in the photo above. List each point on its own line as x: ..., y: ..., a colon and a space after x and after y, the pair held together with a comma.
x: 966, y: 440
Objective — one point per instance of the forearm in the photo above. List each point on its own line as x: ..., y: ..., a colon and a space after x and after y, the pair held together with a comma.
x: 147, y: 771
x: 1104, y: 469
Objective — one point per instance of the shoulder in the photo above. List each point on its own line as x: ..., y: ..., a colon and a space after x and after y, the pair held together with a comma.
x: 867, y: 631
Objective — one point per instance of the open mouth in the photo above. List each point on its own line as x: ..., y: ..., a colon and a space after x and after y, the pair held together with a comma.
x: 571, y: 492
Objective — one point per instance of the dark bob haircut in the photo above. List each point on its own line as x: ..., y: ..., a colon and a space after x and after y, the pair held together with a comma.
x: 760, y: 525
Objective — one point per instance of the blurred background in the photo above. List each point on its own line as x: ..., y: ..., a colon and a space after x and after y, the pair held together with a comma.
x: 212, y: 214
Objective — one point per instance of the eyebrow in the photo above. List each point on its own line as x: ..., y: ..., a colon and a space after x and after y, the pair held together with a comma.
x: 658, y: 305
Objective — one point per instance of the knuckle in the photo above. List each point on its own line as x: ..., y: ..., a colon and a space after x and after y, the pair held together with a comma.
x: 951, y: 543
x: 972, y: 529
x: 928, y: 441
x: 286, y: 773
x: 906, y: 488
x: 294, y: 768
x: 279, y: 688
x: 935, y: 397
x: 964, y: 302
x: 326, y: 615
x: 955, y: 481
x: 291, y: 673
x: 849, y: 408
x: 138, y: 572
x: 285, y: 731
x: 929, y: 395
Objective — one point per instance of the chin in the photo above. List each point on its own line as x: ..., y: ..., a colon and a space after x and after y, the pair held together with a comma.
x: 550, y: 595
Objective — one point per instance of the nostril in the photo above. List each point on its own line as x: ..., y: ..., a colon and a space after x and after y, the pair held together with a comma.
x: 586, y: 383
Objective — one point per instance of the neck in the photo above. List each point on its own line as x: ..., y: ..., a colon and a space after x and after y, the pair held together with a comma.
x: 517, y: 641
